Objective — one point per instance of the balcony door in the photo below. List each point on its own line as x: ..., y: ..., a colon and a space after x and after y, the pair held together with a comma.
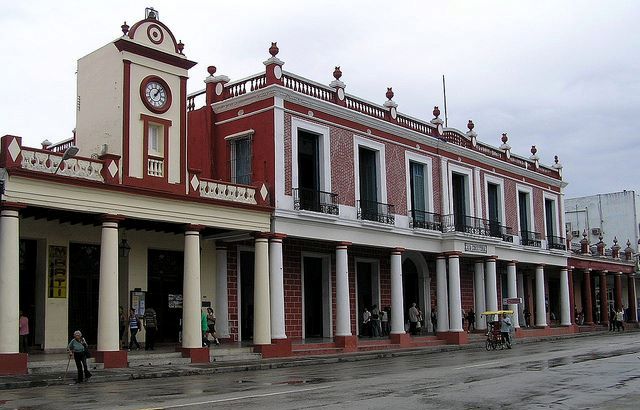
x: 523, y: 211
x: 458, y: 185
x: 493, y: 213
x: 368, y: 184
x: 549, y: 222
x: 418, y: 202
x: 308, y: 171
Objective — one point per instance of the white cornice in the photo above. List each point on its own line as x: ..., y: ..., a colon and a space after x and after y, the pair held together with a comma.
x: 347, y: 114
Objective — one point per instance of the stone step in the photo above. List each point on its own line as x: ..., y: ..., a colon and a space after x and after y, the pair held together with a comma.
x: 428, y: 343
x: 377, y: 346
x: 160, y: 360
x: 302, y: 346
x: 317, y: 352
x: 239, y: 357
x: 57, y: 366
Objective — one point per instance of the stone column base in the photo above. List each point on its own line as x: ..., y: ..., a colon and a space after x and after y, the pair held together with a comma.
x: 454, y: 338
x: 113, y: 360
x: 196, y: 354
x: 277, y: 348
x: 402, y: 339
x: 347, y: 343
x: 13, y: 363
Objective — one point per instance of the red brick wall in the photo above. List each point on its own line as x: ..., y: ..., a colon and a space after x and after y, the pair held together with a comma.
x: 232, y: 290
x: 437, y: 187
x: 538, y: 212
x: 511, y: 205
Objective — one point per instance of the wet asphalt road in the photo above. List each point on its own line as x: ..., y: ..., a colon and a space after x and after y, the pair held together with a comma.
x: 594, y: 372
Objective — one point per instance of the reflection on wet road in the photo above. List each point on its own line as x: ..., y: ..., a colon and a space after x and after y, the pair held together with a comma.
x: 594, y: 372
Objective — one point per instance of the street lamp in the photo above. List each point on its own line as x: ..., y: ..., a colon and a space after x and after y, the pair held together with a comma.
x: 124, y: 248
x: 68, y: 153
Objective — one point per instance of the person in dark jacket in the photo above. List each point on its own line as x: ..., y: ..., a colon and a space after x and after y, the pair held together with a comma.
x: 151, y: 327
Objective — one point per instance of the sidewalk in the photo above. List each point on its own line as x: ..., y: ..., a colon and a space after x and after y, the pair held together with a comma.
x: 175, y: 368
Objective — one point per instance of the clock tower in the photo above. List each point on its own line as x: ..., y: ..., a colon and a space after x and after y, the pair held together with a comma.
x: 131, y: 103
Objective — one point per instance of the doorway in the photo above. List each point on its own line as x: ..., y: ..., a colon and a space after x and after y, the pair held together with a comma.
x: 367, y: 287
x: 316, y: 297
x: 165, y: 277
x: 308, y: 171
x: 28, y: 258
x: 84, y: 281
x: 247, y: 266
x: 410, y: 287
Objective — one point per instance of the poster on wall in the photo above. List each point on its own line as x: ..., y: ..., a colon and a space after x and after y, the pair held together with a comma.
x: 57, y: 271
x: 175, y: 301
x: 138, y: 301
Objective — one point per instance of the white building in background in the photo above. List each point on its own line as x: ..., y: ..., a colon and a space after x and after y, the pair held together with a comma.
x: 613, y: 215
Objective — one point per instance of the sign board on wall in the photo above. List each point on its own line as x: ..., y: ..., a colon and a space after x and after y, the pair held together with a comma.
x: 57, y: 272
x: 511, y: 301
x: 475, y: 247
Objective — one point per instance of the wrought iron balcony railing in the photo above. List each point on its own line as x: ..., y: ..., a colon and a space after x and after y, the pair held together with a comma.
x: 556, y: 242
x: 425, y: 220
x: 316, y: 201
x: 476, y: 226
x: 529, y: 238
x: 376, y: 211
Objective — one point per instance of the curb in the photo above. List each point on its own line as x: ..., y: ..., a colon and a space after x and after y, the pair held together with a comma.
x: 267, y: 364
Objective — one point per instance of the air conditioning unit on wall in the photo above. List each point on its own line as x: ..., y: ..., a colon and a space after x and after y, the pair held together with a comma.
x: 596, y: 231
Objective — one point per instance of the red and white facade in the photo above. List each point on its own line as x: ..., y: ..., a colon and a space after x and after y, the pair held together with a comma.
x: 285, y: 204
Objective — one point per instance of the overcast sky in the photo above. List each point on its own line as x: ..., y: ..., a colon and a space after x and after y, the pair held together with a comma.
x: 564, y: 76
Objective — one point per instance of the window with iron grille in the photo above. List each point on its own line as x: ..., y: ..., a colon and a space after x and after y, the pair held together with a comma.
x: 240, y: 157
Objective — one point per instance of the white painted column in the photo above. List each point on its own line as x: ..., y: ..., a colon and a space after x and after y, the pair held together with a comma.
x: 343, y: 311
x: 491, y: 285
x: 512, y: 291
x: 565, y: 305
x: 222, y: 295
x: 455, y: 301
x: 397, y: 299
x: 9, y: 280
x: 108, y: 321
x: 479, y: 294
x: 261, y: 299
x: 192, y: 298
x: 442, y: 294
x: 276, y: 287
x: 541, y: 312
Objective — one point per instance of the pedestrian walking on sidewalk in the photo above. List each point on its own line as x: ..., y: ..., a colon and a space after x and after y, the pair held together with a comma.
x: 23, y: 333
x: 211, y: 325
x: 134, y: 327
x: 150, y: 327
x: 434, y: 320
x: 204, y: 326
x: 471, y: 318
x: 122, y: 326
x: 79, y: 350
x: 413, y: 319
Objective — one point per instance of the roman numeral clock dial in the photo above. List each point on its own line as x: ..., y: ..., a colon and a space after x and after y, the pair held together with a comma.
x: 155, y: 94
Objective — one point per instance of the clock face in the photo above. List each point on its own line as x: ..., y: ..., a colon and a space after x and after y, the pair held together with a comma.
x: 155, y: 94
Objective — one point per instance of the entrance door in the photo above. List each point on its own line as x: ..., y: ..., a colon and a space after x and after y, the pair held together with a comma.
x: 313, y: 300
x: 84, y: 279
x: 246, y: 294
x: 164, y: 278
x: 410, y: 287
x: 368, y: 292
x: 28, y: 258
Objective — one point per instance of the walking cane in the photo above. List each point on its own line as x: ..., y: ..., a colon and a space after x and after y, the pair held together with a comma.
x: 66, y: 371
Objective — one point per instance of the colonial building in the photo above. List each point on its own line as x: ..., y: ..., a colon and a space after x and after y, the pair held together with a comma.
x: 374, y: 207
x: 286, y: 204
x: 122, y: 222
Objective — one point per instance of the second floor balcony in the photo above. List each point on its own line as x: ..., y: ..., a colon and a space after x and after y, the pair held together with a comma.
x: 530, y: 238
x: 556, y: 242
x: 476, y: 226
x: 315, y: 201
x: 376, y: 211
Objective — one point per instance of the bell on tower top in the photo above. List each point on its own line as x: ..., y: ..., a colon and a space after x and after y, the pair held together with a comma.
x: 151, y: 13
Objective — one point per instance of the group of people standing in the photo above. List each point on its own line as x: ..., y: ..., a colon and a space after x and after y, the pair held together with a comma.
x: 375, y: 322
x: 616, y: 320
x: 135, y: 323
